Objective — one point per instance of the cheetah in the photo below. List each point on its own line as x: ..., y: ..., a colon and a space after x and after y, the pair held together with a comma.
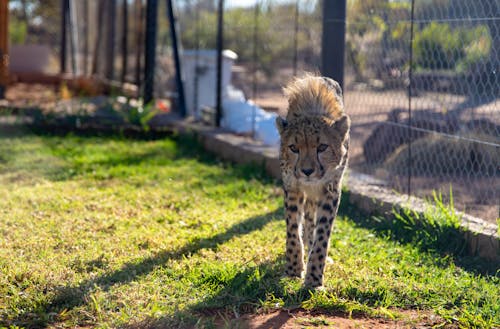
x: 313, y: 157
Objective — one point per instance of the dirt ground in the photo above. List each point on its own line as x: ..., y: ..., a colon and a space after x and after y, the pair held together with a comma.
x: 304, y: 319
x: 22, y: 95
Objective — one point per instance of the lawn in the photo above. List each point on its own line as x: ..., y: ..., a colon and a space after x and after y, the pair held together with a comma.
x: 114, y: 232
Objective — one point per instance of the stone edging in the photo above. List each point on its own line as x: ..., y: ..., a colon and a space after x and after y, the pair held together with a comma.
x: 367, y: 193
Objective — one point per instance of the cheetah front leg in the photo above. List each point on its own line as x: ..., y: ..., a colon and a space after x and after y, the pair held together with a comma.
x: 294, y: 202
x: 309, y: 223
x: 326, y: 213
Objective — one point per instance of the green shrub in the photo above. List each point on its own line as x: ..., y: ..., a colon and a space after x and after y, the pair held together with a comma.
x: 18, y: 31
x: 438, y: 46
x: 476, y: 50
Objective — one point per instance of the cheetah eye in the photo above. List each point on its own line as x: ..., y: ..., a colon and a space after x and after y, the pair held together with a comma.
x: 293, y: 148
x: 322, y: 148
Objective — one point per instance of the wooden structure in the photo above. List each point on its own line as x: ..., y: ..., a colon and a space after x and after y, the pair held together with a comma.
x: 4, y: 43
x: 93, y: 66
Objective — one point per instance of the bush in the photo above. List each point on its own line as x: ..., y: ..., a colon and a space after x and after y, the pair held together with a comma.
x: 374, y: 44
x: 18, y: 31
x: 477, y: 50
x: 437, y: 46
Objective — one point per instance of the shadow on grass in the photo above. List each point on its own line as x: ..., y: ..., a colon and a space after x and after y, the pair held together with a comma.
x: 443, y: 240
x: 70, y: 297
x: 65, y: 158
x: 253, y: 286
x: 240, y: 294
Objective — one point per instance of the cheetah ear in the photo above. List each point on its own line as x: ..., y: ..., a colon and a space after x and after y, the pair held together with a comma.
x: 281, y: 124
x: 341, y: 126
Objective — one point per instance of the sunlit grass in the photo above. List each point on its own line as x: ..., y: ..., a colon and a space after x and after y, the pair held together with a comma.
x: 113, y: 232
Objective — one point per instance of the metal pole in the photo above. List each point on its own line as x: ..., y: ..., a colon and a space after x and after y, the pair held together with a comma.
x: 177, y: 61
x: 139, y: 32
x: 72, y: 41
x: 410, y: 78
x: 254, y: 76
x: 124, y: 40
x: 98, y: 40
x: 295, y: 38
x: 64, y: 24
x: 220, y: 45
x: 86, y: 35
x: 75, y: 43
x: 333, y: 40
x: 110, y: 39
x: 4, y: 52
x: 196, y: 81
x: 150, y: 49
x: 255, y: 54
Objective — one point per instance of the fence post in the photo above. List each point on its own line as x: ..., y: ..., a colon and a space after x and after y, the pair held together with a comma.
x: 333, y: 40
x: 139, y: 41
x: 86, y: 36
x: 64, y: 24
x: 110, y: 39
x: 150, y: 49
x: 75, y: 37
x: 254, y: 61
x: 410, y: 95
x: 220, y: 45
x: 4, y: 53
x: 295, y: 38
x: 96, y: 55
x: 124, y: 41
x: 178, y: 73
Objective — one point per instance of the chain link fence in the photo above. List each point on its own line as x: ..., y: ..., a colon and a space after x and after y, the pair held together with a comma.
x: 435, y: 128
x: 423, y: 94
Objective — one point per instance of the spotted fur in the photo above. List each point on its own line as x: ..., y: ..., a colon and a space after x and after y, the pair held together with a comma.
x: 313, y: 158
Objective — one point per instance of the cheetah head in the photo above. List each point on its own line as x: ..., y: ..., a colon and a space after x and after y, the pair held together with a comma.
x: 313, y: 147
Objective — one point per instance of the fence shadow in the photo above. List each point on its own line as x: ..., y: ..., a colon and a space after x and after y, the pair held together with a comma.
x: 187, y: 147
x: 242, y: 292
x: 249, y: 286
x: 439, y: 239
x: 69, y: 297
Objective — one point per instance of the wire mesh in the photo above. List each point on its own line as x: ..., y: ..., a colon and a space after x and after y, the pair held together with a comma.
x: 433, y: 129
x: 452, y: 137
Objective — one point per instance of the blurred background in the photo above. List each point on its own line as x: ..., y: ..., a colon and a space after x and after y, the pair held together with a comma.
x: 420, y: 78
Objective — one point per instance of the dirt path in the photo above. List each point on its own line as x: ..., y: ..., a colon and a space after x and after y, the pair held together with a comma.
x: 303, y: 319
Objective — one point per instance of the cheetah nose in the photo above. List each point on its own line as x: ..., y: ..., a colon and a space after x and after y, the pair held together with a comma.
x: 307, y: 172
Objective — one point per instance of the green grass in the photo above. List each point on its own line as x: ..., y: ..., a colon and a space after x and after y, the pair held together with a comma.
x: 112, y: 232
